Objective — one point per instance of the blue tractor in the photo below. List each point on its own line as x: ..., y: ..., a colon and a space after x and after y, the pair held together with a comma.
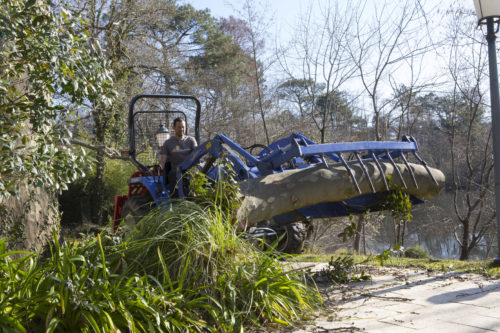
x: 148, y: 187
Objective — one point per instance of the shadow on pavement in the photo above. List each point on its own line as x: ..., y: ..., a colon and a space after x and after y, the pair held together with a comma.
x: 459, y: 295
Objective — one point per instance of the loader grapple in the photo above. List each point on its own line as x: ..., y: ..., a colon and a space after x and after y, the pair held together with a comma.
x: 297, y: 152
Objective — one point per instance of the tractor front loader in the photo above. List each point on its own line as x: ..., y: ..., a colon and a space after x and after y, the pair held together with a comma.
x: 361, y: 168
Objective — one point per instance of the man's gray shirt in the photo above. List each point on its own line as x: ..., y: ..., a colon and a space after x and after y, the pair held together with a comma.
x: 178, y: 150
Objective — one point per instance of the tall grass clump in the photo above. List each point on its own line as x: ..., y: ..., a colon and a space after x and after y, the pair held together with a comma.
x: 195, y: 244
x: 76, y: 289
x: 184, y: 268
x: 198, y: 249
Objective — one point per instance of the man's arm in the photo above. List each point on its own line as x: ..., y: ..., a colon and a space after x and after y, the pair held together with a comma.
x: 194, y: 144
x: 163, y: 159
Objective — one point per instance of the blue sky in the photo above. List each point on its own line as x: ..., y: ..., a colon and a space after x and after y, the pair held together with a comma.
x: 283, y: 13
x: 284, y: 9
x: 286, y: 13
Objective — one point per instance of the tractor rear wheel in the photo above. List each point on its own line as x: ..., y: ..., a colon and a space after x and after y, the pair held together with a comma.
x: 291, y: 237
x: 134, y: 209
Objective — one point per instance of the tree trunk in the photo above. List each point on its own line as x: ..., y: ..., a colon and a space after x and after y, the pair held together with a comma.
x: 357, y: 237
x: 97, y: 197
x: 464, y: 247
x: 403, y: 233
x: 364, y: 239
x: 27, y: 221
x: 279, y: 193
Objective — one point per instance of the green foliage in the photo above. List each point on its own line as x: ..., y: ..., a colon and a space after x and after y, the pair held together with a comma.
x: 336, y: 104
x: 115, y: 173
x: 382, y: 257
x: 349, y: 231
x: 76, y: 289
x: 43, y: 54
x: 417, y: 252
x: 397, y: 251
x: 183, y: 268
x: 223, y: 193
x: 200, y: 247
x: 341, y: 268
x: 77, y: 195
x: 398, y: 202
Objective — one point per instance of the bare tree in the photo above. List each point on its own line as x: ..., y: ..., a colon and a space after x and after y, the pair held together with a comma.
x: 251, y: 37
x: 406, y: 111
x: 394, y: 34
x: 469, y: 135
x: 319, y: 57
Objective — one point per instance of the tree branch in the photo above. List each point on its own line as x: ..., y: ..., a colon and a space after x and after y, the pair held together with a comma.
x: 108, y: 152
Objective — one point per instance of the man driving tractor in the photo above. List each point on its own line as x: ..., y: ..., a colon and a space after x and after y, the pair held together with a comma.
x: 175, y: 150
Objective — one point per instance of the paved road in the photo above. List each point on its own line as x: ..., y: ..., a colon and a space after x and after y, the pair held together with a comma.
x: 411, y: 301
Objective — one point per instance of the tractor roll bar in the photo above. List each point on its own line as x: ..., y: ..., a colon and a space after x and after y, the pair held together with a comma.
x: 158, y: 96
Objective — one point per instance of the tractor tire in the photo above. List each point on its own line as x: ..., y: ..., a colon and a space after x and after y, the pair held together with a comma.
x: 134, y: 209
x: 295, y: 235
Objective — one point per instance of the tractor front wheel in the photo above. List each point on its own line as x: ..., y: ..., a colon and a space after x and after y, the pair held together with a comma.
x: 294, y: 237
x: 134, y: 209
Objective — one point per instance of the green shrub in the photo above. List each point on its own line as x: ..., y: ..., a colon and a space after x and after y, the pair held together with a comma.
x: 341, y: 269
x: 116, y: 175
x: 183, y: 268
x: 200, y: 247
x: 74, y: 202
x: 417, y: 252
x: 76, y: 289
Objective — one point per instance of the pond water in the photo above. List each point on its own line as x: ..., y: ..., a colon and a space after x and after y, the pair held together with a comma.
x: 438, y: 245
x: 433, y: 227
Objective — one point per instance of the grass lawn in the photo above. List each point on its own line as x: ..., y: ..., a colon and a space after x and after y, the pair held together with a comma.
x: 445, y: 265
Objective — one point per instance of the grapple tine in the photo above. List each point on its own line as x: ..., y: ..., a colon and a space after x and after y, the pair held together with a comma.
x: 350, y: 172
x: 380, y: 169
x: 409, y: 169
x: 365, y: 172
x: 426, y: 167
x: 397, y: 168
x: 323, y: 160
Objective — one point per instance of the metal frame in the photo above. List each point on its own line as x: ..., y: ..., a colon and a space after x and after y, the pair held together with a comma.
x: 132, y: 114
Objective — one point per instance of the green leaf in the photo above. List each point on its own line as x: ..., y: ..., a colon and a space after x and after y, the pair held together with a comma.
x: 53, y: 324
x: 91, y: 320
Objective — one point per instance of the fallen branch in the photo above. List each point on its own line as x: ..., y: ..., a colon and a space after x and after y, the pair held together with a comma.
x: 279, y: 193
